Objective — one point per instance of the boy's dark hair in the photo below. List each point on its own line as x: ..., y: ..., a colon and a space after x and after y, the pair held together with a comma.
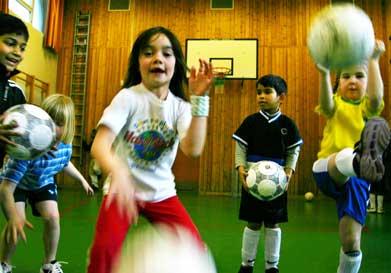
x: 275, y: 82
x: 11, y: 24
x: 178, y: 80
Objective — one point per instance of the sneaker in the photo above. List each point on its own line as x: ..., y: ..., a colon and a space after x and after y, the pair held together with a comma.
x: 53, y: 267
x: 371, y: 210
x: 374, y: 140
x: 380, y: 210
x: 5, y: 268
x: 246, y: 269
x: 272, y: 270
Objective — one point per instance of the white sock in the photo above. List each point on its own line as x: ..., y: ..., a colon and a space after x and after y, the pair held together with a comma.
x: 372, y: 201
x: 320, y: 165
x: 272, y: 247
x: 344, y: 162
x: 249, y: 246
x: 349, y: 263
x: 380, y: 199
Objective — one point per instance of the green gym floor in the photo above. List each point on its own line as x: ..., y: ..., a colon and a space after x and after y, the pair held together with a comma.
x: 309, y: 239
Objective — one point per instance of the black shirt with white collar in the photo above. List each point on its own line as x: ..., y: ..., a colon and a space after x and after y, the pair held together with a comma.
x: 10, y: 93
x: 268, y: 137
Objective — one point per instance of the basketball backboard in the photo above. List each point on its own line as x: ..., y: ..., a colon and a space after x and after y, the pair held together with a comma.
x: 239, y: 55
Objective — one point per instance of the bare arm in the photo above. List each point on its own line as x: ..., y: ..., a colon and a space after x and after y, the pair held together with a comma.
x: 102, y: 152
x: 74, y: 173
x: 199, y: 83
x: 7, y: 189
x: 15, y: 222
x: 375, y: 89
x: 193, y: 143
x: 122, y: 184
x: 326, y: 101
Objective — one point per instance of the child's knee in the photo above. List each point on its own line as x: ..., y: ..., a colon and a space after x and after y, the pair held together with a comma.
x: 351, y: 242
x: 52, y: 219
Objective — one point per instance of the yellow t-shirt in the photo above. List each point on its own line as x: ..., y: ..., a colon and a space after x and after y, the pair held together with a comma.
x: 344, y: 128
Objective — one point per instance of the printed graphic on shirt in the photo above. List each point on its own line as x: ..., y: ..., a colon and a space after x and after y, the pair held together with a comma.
x: 147, y: 142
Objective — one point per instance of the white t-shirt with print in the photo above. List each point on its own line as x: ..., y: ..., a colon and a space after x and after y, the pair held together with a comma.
x: 148, y: 131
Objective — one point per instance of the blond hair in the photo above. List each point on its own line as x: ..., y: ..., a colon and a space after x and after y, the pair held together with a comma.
x: 62, y: 110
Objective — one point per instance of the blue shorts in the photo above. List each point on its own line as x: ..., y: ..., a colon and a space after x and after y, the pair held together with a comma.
x: 352, y: 198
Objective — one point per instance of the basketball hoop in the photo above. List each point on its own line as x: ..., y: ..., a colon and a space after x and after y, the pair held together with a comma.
x: 219, y: 74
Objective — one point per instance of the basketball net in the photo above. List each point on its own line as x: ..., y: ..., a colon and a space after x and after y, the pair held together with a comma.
x: 219, y: 78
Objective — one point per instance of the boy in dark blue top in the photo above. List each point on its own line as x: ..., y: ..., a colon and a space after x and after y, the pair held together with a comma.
x: 265, y: 135
x: 13, y: 41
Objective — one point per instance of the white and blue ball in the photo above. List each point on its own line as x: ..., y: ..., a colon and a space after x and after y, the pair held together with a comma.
x: 341, y: 36
x: 266, y: 180
x: 36, y: 131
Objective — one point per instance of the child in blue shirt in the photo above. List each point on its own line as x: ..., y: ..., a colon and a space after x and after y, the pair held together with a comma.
x: 33, y: 181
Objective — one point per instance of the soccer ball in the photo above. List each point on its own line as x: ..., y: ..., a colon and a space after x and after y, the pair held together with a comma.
x: 162, y: 249
x: 341, y: 36
x: 37, y: 131
x: 266, y: 180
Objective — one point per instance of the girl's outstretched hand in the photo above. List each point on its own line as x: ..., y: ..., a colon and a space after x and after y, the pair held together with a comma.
x: 201, y: 81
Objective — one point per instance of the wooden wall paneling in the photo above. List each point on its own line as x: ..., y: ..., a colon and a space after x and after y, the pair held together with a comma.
x: 215, y: 151
x: 93, y: 99
x: 227, y: 160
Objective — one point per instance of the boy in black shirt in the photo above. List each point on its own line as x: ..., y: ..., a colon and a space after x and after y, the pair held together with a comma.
x: 13, y: 41
x: 265, y: 135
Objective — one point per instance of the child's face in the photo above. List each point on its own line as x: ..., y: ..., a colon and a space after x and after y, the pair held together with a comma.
x: 59, y: 132
x: 12, y: 47
x: 353, y: 82
x: 157, y: 62
x: 268, y: 99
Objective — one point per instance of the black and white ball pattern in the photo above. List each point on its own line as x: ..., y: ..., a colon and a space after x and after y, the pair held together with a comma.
x: 266, y: 180
x: 36, y: 128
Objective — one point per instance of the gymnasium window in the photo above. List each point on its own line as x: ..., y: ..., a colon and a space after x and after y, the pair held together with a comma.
x: 31, y: 11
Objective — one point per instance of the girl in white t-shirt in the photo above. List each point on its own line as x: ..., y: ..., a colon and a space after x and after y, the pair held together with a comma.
x: 138, y: 138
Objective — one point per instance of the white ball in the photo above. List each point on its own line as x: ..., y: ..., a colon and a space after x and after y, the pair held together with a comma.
x: 36, y: 129
x: 266, y: 180
x: 341, y: 36
x: 160, y: 249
